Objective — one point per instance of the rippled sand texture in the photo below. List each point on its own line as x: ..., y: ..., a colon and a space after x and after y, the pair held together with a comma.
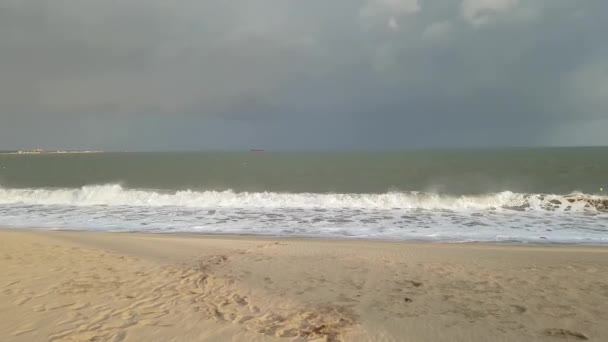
x: 74, y: 286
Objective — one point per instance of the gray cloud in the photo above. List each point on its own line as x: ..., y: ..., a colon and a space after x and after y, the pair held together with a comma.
x: 291, y: 74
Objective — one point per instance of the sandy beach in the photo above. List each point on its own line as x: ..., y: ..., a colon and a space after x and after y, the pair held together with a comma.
x: 87, y: 286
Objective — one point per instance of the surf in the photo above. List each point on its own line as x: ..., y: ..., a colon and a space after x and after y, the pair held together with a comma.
x: 117, y: 195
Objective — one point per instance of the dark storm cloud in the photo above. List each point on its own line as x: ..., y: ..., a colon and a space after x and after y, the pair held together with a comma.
x: 215, y: 74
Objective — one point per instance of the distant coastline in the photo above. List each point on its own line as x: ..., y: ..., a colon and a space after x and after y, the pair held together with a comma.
x: 40, y: 151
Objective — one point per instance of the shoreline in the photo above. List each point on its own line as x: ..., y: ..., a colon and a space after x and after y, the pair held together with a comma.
x: 81, y: 285
x: 314, y: 238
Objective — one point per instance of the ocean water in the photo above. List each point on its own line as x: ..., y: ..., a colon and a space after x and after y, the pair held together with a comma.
x: 553, y: 195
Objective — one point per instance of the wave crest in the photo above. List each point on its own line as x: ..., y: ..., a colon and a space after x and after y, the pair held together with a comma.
x: 116, y: 195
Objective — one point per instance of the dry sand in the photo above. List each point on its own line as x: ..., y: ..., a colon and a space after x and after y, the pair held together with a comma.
x: 83, y: 286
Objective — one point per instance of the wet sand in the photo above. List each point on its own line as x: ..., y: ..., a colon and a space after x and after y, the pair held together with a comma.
x: 85, y: 286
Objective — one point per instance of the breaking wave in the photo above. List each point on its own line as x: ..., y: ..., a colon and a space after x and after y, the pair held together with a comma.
x: 116, y: 195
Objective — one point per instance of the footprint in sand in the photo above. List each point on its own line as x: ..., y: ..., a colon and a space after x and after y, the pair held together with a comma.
x: 11, y: 283
x: 23, y: 331
x: 22, y: 301
x: 519, y: 309
x: 271, y: 244
x: 416, y: 283
x: 565, y: 333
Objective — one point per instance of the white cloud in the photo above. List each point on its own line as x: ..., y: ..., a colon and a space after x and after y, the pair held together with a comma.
x: 480, y: 12
x: 393, y: 24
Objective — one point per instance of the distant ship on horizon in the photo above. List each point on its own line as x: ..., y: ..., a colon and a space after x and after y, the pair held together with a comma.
x: 256, y: 150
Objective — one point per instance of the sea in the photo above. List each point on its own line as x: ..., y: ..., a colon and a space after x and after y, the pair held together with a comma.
x: 511, y: 195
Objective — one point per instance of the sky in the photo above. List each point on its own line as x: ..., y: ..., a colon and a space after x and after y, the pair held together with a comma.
x: 293, y: 74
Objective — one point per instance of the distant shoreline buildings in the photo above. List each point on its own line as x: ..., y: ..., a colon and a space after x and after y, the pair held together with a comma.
x: 42, y: 151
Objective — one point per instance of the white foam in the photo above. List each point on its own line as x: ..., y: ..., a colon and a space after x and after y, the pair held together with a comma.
x: 114, y: 194
x: 504, y: 216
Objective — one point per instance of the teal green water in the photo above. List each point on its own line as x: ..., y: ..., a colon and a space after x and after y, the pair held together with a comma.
x: 550, y: 170
x: 505, y: 195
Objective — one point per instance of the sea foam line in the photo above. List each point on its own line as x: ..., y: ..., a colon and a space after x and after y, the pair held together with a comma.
x: 116, y: 195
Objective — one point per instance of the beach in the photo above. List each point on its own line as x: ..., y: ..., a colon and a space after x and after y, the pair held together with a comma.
x: 307, y: 171
x: 100, y: 286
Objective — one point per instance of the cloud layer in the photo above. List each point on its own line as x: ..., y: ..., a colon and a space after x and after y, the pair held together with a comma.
x: 213, y: 74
